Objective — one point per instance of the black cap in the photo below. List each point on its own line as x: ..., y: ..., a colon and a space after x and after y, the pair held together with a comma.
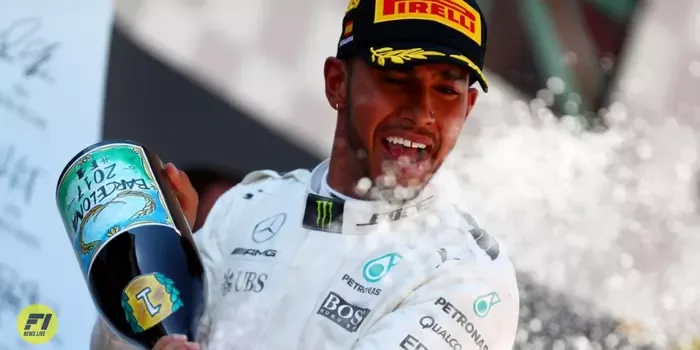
x: 399, y: 33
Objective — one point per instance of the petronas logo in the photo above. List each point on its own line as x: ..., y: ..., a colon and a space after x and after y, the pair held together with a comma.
x: 483, y: 304
x: 324, y: 213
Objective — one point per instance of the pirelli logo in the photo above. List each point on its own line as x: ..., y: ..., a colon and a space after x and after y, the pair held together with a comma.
x: 455, y: 14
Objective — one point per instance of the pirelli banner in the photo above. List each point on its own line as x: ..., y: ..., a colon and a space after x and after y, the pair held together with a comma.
x: 452, y: 13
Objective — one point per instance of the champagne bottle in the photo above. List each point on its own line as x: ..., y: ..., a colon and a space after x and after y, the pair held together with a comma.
x: 132, y: 241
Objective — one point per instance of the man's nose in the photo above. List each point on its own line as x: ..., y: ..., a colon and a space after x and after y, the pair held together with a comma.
x: 421, y: 111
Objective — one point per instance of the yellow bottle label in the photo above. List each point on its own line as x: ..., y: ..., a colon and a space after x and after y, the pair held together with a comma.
x: 149, y: 299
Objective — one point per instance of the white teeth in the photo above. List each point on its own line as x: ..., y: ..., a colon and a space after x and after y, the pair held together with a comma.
x: 405, y: 142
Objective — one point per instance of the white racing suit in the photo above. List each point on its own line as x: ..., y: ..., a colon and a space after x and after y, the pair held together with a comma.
x: 287, y: 268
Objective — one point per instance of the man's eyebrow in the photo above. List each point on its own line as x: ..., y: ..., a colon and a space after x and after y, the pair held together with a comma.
x: 446, y: 74
x: 401, y: 70
x: 451, y: 74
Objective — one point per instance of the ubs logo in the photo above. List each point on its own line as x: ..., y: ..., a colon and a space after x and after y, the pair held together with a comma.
x: 243, y: 281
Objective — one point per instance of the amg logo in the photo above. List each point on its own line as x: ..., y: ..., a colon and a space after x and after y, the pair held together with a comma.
x: 360, y: 288
x: 341, y: 312
x: 254, y: 252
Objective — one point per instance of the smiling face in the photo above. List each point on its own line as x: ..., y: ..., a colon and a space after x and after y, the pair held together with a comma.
x: 403, y: 123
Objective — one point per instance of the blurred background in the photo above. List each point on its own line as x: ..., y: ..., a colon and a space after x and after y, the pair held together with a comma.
x: 583, y: 157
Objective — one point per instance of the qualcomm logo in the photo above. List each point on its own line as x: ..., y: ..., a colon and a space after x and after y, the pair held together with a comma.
x: 268, y: 228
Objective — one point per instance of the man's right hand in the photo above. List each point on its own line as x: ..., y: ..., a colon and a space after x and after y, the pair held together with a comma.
x: 189, y: 200
x: 185, y: 192
x: 175, y: 342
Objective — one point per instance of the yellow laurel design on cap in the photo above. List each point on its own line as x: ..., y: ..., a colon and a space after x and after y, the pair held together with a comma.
x: 380, y: 56
x: 471, y: 65
x: 400, y: 56
x: 352, y: 5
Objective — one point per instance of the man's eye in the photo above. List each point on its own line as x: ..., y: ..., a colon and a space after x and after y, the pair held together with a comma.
x: 395, y: 81
x: 447, y: 90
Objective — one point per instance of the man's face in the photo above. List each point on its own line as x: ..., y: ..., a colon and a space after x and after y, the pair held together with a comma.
x: 404, y: 123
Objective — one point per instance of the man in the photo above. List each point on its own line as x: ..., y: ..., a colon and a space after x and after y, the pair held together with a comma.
x: 363, y: 253
x: 209, y: 184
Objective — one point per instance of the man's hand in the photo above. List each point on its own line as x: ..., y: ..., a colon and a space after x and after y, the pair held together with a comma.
x: 186, y: 195
x: 175, y: 342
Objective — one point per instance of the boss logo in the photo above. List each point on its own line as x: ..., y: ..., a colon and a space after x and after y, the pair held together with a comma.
x: 344, y: 314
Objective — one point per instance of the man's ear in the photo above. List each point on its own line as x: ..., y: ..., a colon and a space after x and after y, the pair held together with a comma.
x: 335, y: 74
x: 472, y: 95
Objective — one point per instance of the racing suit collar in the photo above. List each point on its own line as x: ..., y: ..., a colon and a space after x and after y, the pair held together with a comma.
x: 327, y: 213
x: 327, y: 191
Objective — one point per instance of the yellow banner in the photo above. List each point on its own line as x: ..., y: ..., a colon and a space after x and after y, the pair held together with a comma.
x: 455, y: 14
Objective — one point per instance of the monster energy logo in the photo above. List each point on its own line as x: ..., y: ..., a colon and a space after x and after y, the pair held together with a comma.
x: 324, y: 213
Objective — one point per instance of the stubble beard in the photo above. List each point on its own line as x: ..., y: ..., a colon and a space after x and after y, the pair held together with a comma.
x: 384, y: 187
x: 357, y: 148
